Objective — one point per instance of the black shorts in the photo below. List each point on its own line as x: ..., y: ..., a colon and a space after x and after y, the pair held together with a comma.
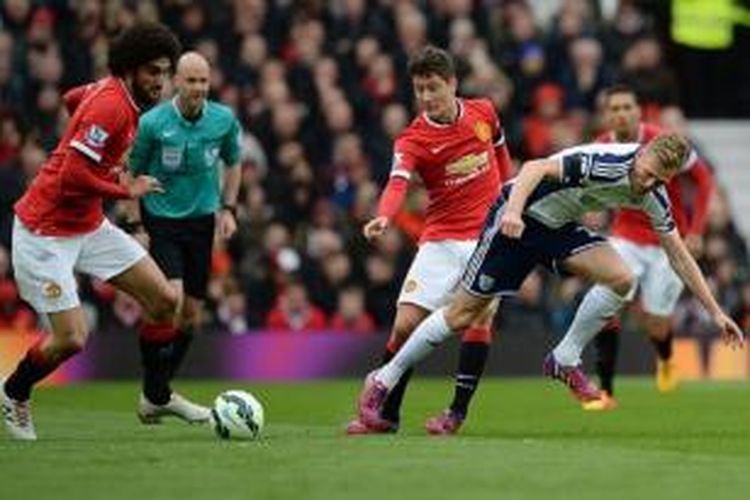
x: 499, y: 264
x: 183, y: 248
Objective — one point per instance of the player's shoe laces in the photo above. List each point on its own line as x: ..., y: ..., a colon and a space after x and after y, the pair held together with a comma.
x: 370, y: 403
x: 666, y: 375
x: 177, y: 406
x: 445, y: 424
x: 572, y: 376
x: 17, y: 417
x: 357, y: 428
x: 604, y: 403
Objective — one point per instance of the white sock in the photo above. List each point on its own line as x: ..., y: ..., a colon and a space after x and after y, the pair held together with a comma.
x: 598, y: 307
x: 428, y: 335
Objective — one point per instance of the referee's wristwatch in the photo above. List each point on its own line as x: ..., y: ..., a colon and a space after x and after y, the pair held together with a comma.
x: 232, y: 209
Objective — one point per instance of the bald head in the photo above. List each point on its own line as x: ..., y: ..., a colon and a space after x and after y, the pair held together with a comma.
x: 192, y: 79
x: 190, y: 62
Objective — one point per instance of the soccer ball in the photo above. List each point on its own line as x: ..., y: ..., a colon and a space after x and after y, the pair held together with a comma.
x: 237, y: 415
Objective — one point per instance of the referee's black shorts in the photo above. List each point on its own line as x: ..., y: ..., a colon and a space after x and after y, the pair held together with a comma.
x: 183, y: 248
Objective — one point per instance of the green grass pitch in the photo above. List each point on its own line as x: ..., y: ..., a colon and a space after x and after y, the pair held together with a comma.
x: 524, y: 439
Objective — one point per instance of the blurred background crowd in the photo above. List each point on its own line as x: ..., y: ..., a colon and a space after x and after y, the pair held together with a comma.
x: 321, y: 91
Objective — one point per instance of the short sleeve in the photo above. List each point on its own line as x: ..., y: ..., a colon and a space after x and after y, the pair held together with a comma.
x: 573, y: 169
x: 657, y: 207
x: 230, y: 146
x: 95, y: 130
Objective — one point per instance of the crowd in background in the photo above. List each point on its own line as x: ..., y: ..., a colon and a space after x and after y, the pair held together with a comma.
x: 321, y: 91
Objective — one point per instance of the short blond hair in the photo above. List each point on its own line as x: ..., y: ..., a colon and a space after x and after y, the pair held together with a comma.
x: 671, y: 150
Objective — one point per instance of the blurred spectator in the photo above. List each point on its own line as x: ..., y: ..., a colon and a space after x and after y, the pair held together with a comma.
x: 350, y: 315
x: 294, y: 312
x: 322, y: 91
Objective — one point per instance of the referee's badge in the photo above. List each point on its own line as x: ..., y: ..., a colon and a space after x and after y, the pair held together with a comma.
x: 171, y: 157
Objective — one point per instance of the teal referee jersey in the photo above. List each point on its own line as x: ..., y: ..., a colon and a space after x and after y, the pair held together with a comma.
x: 187, y: 156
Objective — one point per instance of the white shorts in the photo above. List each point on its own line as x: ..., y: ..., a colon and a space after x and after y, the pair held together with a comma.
x: 435, y: 272
x: 44, y: 266
x: 659, y: 285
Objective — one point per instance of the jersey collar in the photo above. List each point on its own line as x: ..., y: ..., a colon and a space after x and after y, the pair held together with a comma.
x: 182, y: 117
x: 125, y: 91
x: 435, y: 124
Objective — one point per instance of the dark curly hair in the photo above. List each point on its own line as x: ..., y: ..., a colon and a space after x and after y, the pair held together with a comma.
x: 140, y: 44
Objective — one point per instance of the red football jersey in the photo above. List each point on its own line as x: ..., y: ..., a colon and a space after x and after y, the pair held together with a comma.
x: 634, y: 225
x: 459, y: 167
x: 66, y: 197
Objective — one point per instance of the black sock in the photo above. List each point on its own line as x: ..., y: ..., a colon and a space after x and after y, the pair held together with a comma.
x: 30, y: 370
x: 607, y: 344
x: 472, y: 358
x: 157, y: 369
x: 180, y: 348
x: 392, y: 406
x: 663, y: 347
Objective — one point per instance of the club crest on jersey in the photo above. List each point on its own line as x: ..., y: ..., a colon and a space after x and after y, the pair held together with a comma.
x: 51, y: 290
x: 483, y: 131
x: 410, y: 286
x: 486, y: 282
x: 96, y: 136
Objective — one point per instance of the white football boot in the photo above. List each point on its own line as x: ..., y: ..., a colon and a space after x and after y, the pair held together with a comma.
x: 17, y: 417
x: 177, y: 406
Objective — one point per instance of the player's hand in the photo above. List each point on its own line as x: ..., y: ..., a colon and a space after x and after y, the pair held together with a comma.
x: 694, y: 244
x: 144, y: 184
x: 376, y: 227
x: 512, y: 225
x: 227, y: 224
x: 730, y: 332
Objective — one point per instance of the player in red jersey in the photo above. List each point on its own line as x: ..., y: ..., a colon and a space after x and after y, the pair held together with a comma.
x: 632, y: 236
x: 458, y: 149
x: 60, y: 225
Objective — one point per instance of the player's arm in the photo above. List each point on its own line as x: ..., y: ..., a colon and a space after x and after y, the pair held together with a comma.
x: 687, y: 269
x: 394, y: 194
x: 230, y: 154
x: 81, y: 167
x: 502, y: 154
x: 531, y: 174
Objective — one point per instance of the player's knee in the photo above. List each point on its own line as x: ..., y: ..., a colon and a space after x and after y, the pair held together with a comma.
x: 624, y: 284
x: 459, y: 317
x: 64, y: 348
x: 164, y: 306
x: 401, y: 331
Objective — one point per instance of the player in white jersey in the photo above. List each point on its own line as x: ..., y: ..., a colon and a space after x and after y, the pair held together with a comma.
x: 536, y: 221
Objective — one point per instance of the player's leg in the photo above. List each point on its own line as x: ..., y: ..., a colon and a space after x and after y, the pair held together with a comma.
x: 473, y: 353
x: 408, y: 317
x: 158, y: 332
x: 463, y: 310
x: 661, y: 290
x: 148, y: 285
x: 607, y: 345
x: 497, y: 266
x: 614, y: 284
x: 43, y: 270
x: 196, y: 248
x: 607, y: 341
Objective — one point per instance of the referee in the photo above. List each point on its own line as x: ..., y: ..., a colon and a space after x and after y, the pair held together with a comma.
x: 192, y: 145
